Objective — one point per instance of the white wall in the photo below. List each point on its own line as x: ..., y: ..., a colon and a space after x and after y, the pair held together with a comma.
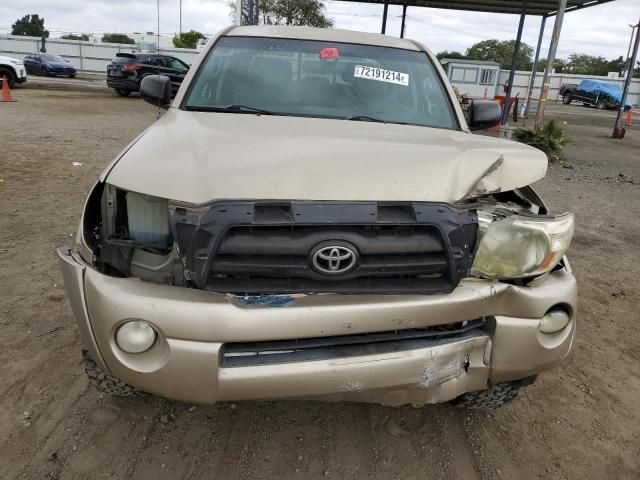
x: 85, y: 56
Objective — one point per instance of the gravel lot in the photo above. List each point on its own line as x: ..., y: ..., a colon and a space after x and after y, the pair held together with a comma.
x: 580, y: 421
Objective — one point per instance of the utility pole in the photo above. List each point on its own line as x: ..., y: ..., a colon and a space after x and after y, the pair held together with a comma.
x: 551, y: 58
x: 619, y: 130
x: 180, y: 27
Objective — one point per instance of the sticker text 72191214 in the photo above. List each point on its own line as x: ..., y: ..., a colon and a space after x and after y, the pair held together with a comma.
x: 389, y: 76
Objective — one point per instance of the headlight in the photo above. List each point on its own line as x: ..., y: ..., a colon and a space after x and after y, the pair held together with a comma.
x: 521, y: 246
x: 135, y: 336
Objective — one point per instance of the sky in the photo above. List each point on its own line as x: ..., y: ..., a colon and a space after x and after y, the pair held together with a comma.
x: 601, y: 30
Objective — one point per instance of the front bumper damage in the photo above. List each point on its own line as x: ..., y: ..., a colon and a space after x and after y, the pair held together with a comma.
x: 193, y: 327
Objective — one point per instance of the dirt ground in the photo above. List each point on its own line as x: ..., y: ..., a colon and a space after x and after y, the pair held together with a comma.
x: 580, y: 421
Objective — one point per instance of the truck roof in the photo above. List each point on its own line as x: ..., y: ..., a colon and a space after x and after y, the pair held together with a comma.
x: 323, y: 34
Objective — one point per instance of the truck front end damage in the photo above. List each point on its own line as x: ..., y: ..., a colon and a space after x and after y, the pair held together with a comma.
x: 387, y: 302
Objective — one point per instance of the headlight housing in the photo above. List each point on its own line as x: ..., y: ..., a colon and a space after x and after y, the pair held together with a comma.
x: 148, y: 219
x: 521, y: 246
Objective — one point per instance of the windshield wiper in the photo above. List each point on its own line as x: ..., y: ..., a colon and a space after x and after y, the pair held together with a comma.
x: 234, y: 108
x: 365, y: 118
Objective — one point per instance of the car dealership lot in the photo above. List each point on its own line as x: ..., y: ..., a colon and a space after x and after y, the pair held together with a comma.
x: 581, y: 420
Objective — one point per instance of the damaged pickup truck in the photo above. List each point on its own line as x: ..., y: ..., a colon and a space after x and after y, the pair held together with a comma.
x: 313, y: 218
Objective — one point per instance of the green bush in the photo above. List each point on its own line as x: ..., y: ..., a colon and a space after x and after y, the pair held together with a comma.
x: 550, y: 138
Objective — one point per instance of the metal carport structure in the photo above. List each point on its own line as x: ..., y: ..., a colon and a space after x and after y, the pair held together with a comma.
x: 542, y: 8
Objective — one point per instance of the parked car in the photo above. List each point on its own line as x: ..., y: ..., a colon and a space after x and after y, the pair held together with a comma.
x: 13, y: 69
x: 602, y: 95
x: 50, y: 65
x: 312, y: 217
x: 126, y: 71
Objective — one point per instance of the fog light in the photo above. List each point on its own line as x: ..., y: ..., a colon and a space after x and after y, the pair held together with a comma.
x: 135, y: 336
x: 554, y: 320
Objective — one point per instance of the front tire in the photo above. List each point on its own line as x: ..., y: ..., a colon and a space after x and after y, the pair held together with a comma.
x: 601, y: 105
x: 123, y: 92
x: 11, y: 77
x: 566, y: 99
x: 106, y: 383
x: 494, y: 397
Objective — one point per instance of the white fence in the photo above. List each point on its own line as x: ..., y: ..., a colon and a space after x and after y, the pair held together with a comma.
x: 85, y: 56
x: 521, y: 84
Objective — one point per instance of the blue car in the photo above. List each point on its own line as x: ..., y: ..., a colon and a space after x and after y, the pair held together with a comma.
x: 50, y: 65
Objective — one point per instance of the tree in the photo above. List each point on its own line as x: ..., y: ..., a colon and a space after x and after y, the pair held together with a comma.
x: 117, y: 38
x: 501, y: 52
x: 617, y: 65
x: 72, y: 36
x: 310, y: 13
x: 450, y: 54
x: 188, y: 39
x: 30, y: 26
x: 559, y: 65
x: 587, y: 64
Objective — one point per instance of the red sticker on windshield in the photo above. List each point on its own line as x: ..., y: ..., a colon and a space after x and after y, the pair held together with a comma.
x: 329, y: 54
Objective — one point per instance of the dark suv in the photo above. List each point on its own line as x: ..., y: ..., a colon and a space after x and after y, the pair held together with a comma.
x: 126, y: 71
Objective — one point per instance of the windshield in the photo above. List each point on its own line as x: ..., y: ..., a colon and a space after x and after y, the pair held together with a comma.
x: 321, y: 79
x: 52, y: 58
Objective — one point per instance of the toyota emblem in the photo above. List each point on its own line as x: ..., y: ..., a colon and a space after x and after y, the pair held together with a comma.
x: 333, y: 259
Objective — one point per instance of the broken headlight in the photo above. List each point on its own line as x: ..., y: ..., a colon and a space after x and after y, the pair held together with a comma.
x: 521, y: 246
x: 148, y: 220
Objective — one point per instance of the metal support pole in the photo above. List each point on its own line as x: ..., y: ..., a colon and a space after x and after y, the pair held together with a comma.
x: 534, y: 70
x: 633, y: 31
x: 250, y: 19
x: 80, y: 54
x: 384, y: 16
x: 404, y: 20
x: 514, y: 65
x: 618, y: 131
x: 180, y: 27
x: 238, y: 12
x: 551, y: 58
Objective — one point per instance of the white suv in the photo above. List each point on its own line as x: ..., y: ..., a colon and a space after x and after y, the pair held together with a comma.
x: 13, y: 69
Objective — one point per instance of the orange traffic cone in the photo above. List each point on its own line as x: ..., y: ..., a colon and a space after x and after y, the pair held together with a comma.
x: 628, y: 121
x: 6, y: 91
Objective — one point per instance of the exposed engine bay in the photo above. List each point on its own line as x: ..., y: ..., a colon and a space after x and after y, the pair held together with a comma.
x: 156, y: 240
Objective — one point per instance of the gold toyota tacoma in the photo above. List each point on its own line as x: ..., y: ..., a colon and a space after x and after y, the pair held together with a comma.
x: 313, y: 218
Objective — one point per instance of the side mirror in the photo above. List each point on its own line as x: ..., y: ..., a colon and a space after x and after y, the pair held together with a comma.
x: 484, y: 114
x: 156, y: 90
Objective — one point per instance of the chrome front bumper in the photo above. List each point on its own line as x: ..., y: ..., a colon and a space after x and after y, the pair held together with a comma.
x: 193, y: 325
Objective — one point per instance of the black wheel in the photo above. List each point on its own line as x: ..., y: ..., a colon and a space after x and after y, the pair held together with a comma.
x: 107, y: 383
x: 73, y: 75
x: 494, y: 397
x: 601, y: 105
x: 566, y: 99
x: 123, y: 92
x: 11, y: 77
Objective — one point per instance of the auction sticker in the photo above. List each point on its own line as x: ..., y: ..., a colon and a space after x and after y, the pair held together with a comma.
x: 389, y: 76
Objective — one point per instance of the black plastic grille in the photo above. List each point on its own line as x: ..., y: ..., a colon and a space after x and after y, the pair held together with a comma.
x: 253, y: 248
x: 242, y: 354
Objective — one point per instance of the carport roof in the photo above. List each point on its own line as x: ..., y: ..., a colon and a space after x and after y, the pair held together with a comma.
x: 530, y: 7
